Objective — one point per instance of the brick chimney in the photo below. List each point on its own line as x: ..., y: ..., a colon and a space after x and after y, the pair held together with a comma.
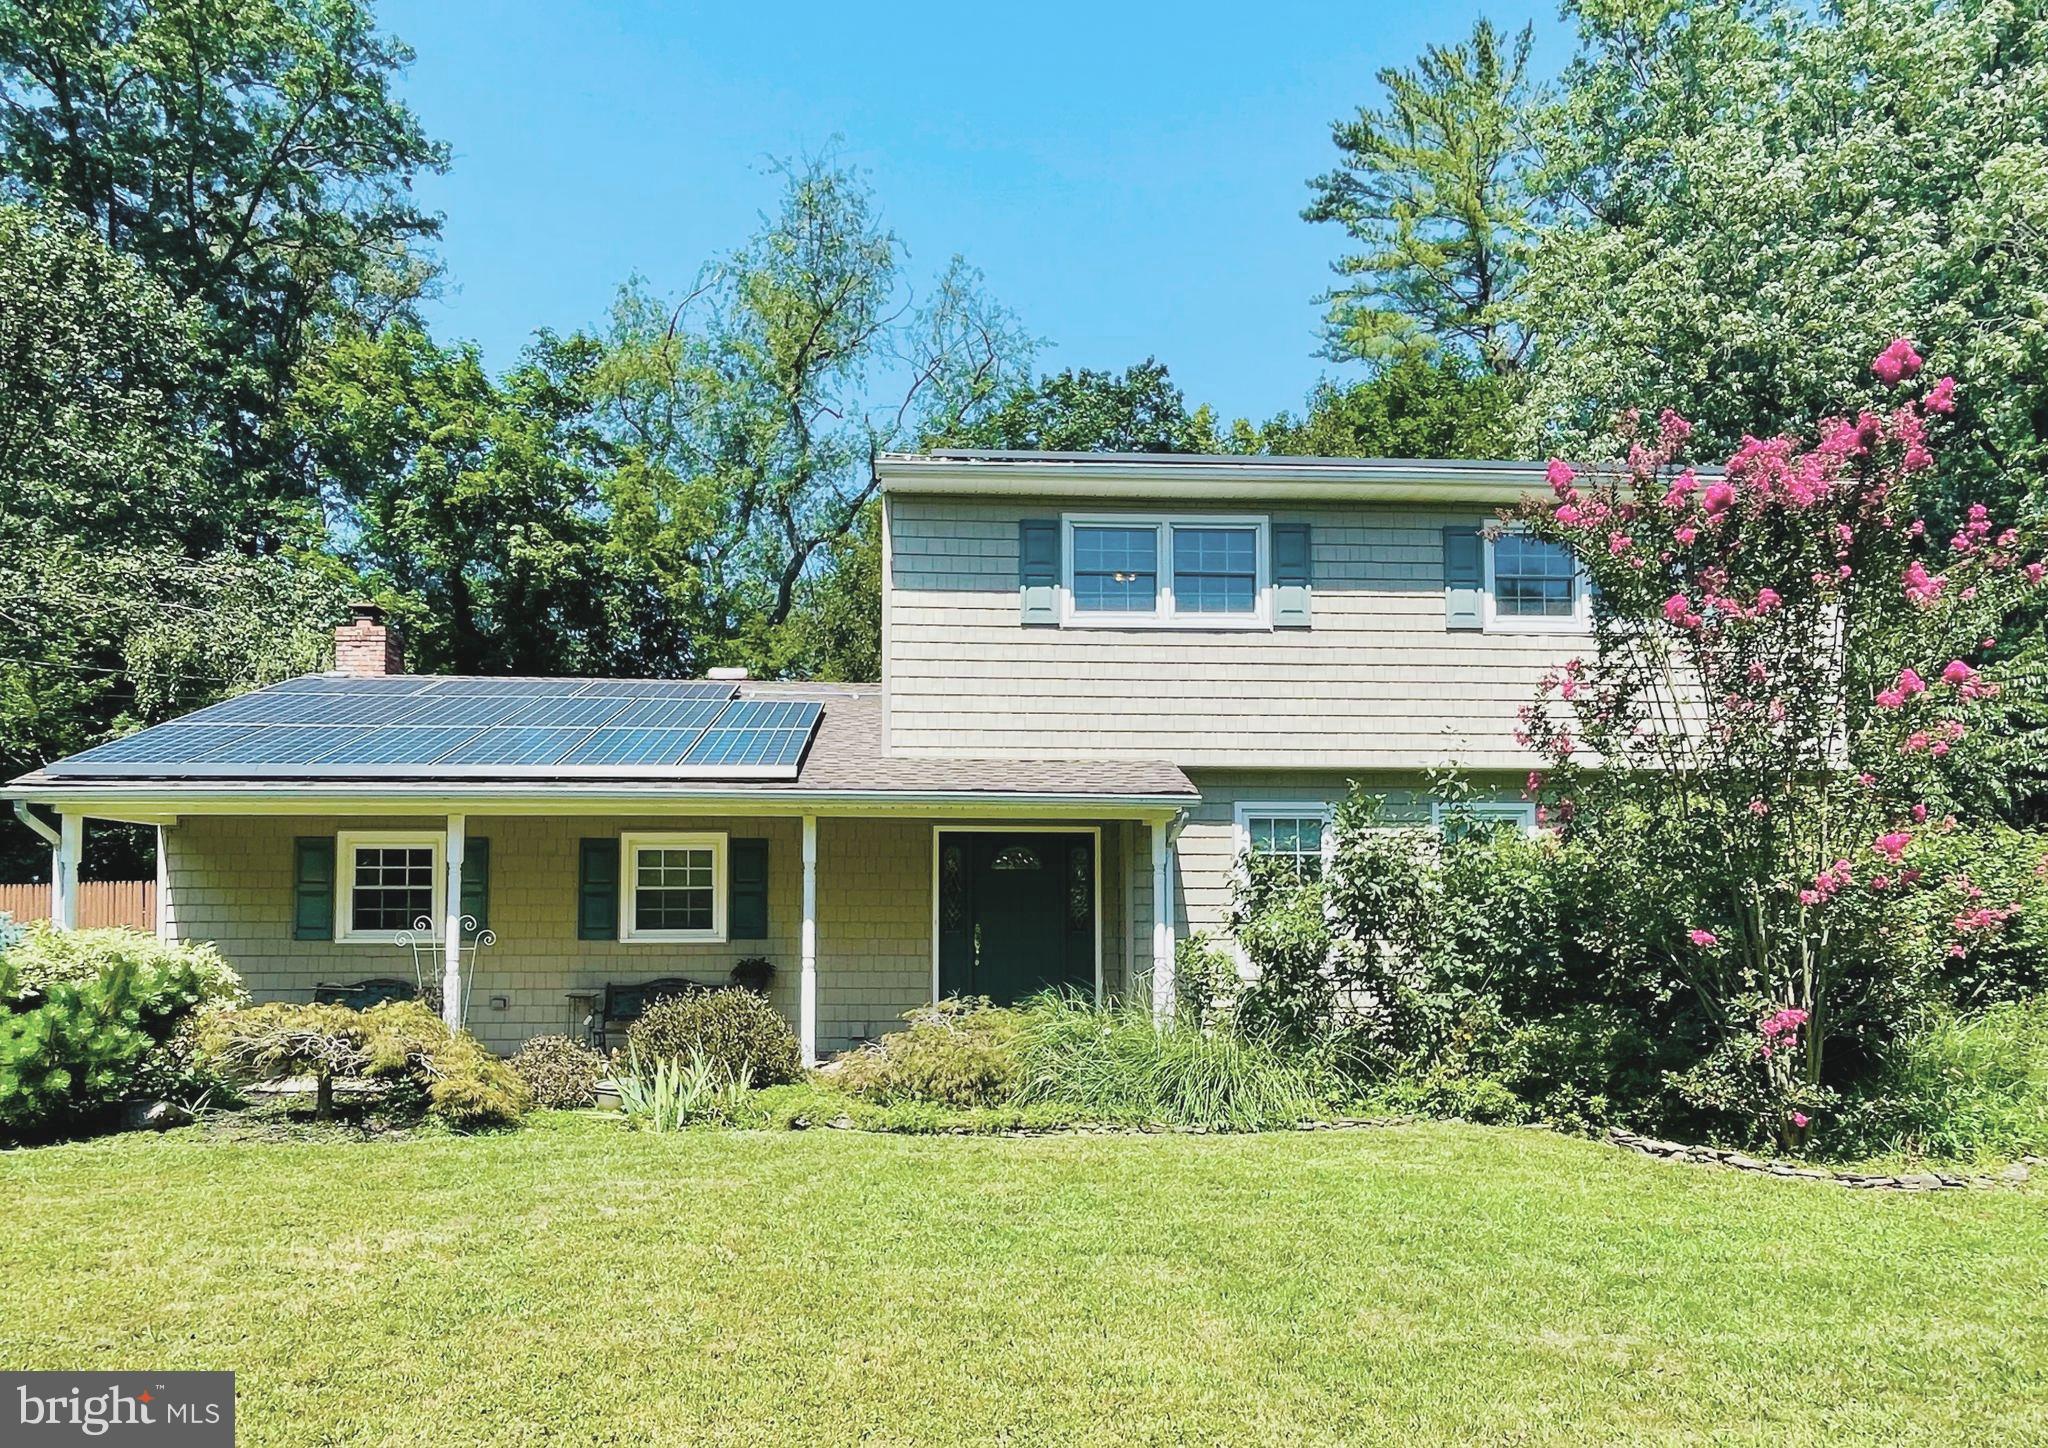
x: 367, y: 645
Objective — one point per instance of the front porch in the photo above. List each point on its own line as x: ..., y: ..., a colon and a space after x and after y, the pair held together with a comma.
x: 862, y: 916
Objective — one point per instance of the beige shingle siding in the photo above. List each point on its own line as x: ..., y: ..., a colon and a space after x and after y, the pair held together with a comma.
x: 231, y: 883
x: 1377, y: 682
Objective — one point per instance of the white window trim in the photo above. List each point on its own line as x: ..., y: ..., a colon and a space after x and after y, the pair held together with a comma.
x: 1580, y: 620
x: 1520, y: 811
x: 1247, y: 810
x: 346, y: 843
x: 1163, y: 615
x: 629, y: 888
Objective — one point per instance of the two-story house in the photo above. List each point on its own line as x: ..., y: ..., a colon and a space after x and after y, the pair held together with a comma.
x: 1105, y: 678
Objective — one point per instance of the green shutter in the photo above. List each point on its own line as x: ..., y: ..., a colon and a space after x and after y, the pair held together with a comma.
x: 476, y: 882
x: 1464, y: 578
x: 313, y: 887
x: 747, y: 899
x: 597, y: 890
x: 1291, y: 575
x: 1038, y: 571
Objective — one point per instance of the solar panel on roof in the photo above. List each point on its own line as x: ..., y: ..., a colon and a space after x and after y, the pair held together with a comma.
x: 564, y: 713
x: 401, y: 745
x: 656, y: 747
x: 514, y: 747
x: 336, y: 726
x: 689, y: 714
x: 756, y: 734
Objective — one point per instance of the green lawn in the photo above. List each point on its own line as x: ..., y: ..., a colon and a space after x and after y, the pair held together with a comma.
x: 577, y: 1283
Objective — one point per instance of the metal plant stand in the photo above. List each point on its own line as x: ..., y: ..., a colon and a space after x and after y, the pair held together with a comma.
x: 430, y: 958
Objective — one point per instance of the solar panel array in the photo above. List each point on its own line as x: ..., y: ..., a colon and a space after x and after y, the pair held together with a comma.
x: 330, y: 726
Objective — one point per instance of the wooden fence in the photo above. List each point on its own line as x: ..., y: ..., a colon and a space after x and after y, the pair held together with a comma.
x: 100, y: 902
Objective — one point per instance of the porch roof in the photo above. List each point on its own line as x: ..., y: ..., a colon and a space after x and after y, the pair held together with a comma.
x: 846, y: 764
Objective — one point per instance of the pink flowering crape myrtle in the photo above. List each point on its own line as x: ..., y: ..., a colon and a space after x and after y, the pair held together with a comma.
x: 1790, y: 673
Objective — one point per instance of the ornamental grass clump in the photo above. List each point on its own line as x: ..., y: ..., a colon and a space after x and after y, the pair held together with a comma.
x: 1798, y: 685
x: 1117, y: 1063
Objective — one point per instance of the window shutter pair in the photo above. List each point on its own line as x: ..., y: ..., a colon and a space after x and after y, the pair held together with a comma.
x: 314, y: 882
x: 597, y: 889
x: 1464, y: 577
x: 1038, y: 573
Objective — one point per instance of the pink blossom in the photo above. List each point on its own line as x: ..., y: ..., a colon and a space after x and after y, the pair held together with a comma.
x: 1919, y: 813
x: 1619, y: 543
x: 1767, y: 599
x: 1677, y: 607
x: 1702, y: 938
x: 1567, y: 515
x: 1890, y: 699
x: 1910, y: 683
x: 1922, y: 587
x: 1560, y: 475
x: 1957, y: 672
x: 1758, y: 808
x: 1942, y: 396
x: 1687, y: 534
x: 1892, y: 845
x: 1800, y: 1118
x: 1718, y: 498
x: 2035, y: 572
x: 1896, y: 362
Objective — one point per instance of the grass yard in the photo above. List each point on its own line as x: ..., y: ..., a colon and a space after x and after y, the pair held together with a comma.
x: 576, y: 1283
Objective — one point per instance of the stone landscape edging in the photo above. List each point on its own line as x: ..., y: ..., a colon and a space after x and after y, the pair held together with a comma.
x: 1921, y: 1181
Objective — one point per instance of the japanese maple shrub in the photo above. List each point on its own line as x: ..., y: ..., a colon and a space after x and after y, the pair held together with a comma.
x: 1779, y: 720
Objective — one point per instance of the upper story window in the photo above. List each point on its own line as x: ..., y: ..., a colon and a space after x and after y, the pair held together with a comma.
x: 1533, y: 586
x: 1123, y: 571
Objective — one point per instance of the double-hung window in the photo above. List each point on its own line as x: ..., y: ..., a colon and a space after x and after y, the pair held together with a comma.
x: 1533, y: 586
x: 1194, y: 572
x: 1295, y: 836
x: 389, y: 883
x: 675, y: 887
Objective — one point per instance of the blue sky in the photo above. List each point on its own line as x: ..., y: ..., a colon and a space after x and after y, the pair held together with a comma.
x: 1128, y: 177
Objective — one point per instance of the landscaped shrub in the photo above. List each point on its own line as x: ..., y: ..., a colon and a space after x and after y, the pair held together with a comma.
x: 734, y: 1029
x: 561, y: 1073
x: 400, y: 1042
x: 1205, y: 977
x: 1969, y: 1087
x: 957, y: 1053
x: 90, y: 1018
x: 1116, y: 1063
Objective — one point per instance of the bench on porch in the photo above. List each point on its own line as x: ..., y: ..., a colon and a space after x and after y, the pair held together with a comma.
x: 616, y: 1005
x: 362, y: 994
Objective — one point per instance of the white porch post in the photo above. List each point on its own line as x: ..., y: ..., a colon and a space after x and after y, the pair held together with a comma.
x: 807, y: 984
x: 1162, y: 922
x: 163, y: 883
x: 64, y: 860
x: 451, y: 930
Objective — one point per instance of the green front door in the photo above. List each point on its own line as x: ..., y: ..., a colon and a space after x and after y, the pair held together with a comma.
x: 1016, y: 913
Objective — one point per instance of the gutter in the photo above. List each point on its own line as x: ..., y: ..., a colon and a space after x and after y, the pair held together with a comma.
x: 409, y: 800
x: 25, y: 812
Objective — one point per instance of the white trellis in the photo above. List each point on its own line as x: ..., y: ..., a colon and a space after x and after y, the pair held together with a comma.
x: 430, y: 956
